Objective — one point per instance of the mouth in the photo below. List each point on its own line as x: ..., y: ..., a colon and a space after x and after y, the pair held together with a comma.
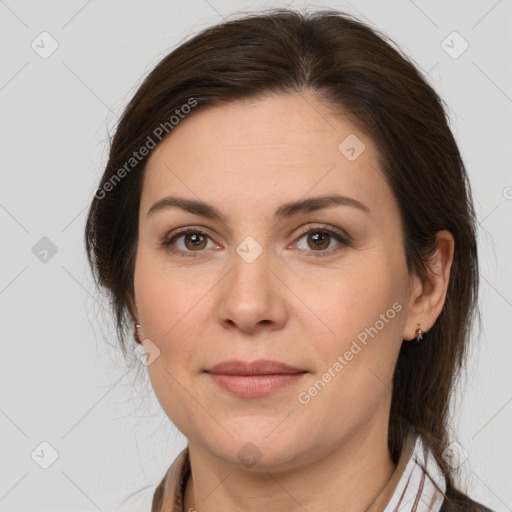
x: 254, y: 379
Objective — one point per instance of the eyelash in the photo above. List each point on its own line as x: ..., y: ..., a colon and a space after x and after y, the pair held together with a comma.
x: 342, y: 239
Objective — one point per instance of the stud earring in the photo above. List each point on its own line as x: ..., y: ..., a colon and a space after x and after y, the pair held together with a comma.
x: 136, y: 333
x: 419, y: 333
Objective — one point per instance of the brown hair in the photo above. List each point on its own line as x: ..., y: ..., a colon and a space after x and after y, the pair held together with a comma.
x: 356, y: 70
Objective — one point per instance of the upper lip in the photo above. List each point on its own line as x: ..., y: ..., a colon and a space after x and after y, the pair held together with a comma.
x: 259, y: 367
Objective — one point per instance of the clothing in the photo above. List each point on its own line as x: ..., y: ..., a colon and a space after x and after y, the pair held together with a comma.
x: 409, y: 489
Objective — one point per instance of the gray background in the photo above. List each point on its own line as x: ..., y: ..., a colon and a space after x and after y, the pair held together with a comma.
x: 61, y: 379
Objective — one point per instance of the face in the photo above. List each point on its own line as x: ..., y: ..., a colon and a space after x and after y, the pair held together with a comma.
x: 322, y: 289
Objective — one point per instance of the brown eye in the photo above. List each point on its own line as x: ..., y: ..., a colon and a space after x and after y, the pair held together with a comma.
x: 318, y: 240
x: 193, y: 242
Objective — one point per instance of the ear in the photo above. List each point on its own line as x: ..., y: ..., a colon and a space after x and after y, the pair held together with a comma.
x: 427, y: 296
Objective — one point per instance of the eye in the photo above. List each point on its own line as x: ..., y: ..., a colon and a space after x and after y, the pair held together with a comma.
x: 319, y: 240
x: 194, y: 241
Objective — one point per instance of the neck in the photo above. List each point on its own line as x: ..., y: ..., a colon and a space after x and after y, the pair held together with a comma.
x: 348, y: 477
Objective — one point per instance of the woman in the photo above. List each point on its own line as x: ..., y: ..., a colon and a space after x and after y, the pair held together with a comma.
x: 286, y: 221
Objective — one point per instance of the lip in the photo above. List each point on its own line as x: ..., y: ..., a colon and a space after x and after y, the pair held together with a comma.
x: 259, y: 367
x: 254, y: 379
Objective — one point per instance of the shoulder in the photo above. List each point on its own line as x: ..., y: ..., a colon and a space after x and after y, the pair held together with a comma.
x: 457, y: 501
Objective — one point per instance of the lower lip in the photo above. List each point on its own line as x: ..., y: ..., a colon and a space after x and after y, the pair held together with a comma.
x: 255, y: 385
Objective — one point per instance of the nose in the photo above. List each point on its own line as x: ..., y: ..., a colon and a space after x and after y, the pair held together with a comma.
x: 253, y: 296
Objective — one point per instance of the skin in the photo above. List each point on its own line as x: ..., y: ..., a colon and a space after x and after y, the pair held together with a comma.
x: 247, y: 159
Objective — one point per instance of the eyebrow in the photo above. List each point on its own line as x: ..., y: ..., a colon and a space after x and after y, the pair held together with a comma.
x: 284, y: 211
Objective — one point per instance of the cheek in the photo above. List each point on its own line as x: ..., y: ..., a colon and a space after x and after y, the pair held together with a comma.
x: 347, y: 300
x: 165, y: 296
x: 167, y: 305
x: 356, y: 353
x: 173, y: 305
x: 358, y: 316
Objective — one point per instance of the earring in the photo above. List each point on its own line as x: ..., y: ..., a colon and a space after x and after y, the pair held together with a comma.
x: 136, y: 333
x: 419, y: 334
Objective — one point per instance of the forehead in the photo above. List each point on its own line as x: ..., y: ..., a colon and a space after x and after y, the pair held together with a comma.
x: 276, y: 147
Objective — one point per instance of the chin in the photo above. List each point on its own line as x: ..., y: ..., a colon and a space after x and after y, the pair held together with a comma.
x: 258, y: 451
